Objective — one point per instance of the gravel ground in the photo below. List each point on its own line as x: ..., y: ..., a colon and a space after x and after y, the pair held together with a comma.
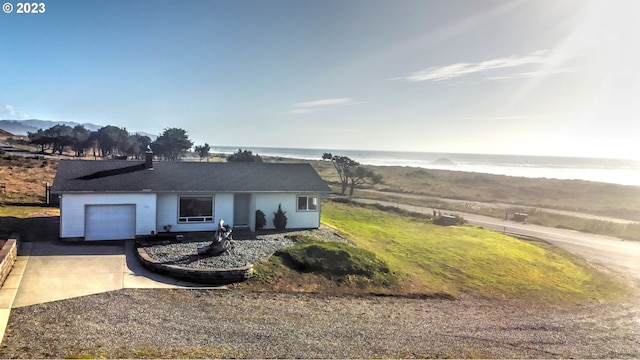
x: 225, y: 323
x: 248, y: 249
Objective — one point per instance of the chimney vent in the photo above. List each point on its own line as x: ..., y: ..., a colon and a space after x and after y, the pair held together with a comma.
x: 148, y: 159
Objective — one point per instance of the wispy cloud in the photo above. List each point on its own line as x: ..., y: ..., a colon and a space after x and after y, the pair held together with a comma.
x: 317, y: 105
x: 323, y: 102
x: 8, y: 112
x: 493, y: 118
x: 532, y: 74
x: 461, y: 69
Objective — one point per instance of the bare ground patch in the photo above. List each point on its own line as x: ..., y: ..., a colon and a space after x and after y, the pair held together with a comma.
x: 214, y: 323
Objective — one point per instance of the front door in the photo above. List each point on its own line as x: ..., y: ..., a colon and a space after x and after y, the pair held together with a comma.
x: 241, y: 210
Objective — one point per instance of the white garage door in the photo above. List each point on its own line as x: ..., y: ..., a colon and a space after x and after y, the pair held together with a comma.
x: 110, y: 222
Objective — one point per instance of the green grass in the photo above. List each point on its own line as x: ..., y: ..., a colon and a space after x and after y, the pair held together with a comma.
x: 465, y: 259
x: 28, y: 211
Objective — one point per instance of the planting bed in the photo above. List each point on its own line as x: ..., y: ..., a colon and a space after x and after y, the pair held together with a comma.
x: 180, y: 258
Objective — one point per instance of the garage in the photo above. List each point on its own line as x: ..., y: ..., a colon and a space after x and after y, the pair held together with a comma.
x: 110, y: 222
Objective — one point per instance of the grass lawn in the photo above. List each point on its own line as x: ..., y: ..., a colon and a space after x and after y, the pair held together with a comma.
x: 464, y: 259
x: 24, y: 212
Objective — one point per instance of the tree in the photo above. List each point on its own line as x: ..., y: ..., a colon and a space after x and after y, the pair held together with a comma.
x: 361, y: 175
x: 138, y: 144
x: 61, y: 136
x: 203, y: 151
x: 243, y: 156
x: 343, y: 165
x: 39, y: 138
x: 110, y: 138
x: 280, y: 219
x: 144, y: 142
x: 351, y: 173
x: 172, y: 143
x: 93, y: 143
x: 134, y: 145
x: 81, y: 140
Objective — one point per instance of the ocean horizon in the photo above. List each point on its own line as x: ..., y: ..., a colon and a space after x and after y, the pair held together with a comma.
x: 614, y: 171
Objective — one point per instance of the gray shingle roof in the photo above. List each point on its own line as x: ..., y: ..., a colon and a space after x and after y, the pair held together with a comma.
x: 175, y: 176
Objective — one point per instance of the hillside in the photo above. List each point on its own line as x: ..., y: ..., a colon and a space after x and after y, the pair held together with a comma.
x: 23, y: 127
x: 5, y: 134
x: 22, y: 180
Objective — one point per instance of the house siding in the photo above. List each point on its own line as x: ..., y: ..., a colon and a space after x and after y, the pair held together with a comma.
x: 72, y: 219
x: 268, y: 203
x: 154, y: 211
x: 167, y: 213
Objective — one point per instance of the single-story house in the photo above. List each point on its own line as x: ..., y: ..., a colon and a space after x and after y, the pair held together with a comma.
x: 109, y: 200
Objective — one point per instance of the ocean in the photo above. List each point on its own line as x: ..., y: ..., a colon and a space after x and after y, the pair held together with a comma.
x: 615, y: 171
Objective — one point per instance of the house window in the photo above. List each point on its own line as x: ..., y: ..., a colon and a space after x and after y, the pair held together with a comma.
x: 308, y: 203
x: 195, y: 209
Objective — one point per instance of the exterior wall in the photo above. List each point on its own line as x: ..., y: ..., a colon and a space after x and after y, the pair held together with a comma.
x: 252, y: 212
x: 154, y: 211
x: 72, y: 215
x: 268, y: 203
x: 223, y: 209
x: 168, y: 213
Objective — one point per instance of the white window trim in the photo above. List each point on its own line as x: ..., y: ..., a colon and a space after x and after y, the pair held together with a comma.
x: 306, y: 209
x: 196, y: 219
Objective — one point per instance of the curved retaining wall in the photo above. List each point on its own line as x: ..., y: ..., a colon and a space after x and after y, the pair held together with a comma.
x: 203, y: 276
x: 8, y: 256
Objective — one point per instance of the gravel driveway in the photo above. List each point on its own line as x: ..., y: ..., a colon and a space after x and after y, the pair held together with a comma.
x: 230, y: 323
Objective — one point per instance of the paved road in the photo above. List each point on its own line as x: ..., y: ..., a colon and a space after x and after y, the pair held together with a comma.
x: 617, y: 255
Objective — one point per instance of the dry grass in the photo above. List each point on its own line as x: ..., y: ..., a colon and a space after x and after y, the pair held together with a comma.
x: 572, y: 195
x: 24, y: 179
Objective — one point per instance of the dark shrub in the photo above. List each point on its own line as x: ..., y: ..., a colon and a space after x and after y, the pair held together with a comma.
x: 261, y: 220
x: 342, y: 200
x: 337, y: 261
x: 447, y: 220
x: 243, y: 156
x: 280, y: 219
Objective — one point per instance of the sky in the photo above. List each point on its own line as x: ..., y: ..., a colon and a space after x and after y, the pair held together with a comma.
x: 539, y: 77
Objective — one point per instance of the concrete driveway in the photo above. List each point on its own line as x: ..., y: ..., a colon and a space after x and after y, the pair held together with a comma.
x: 50, y: 271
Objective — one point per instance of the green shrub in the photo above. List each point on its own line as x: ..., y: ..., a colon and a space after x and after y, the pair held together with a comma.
x: 336, y: 261
x: 243, y: 156
x: 261, y: 220
x: 280, y: 219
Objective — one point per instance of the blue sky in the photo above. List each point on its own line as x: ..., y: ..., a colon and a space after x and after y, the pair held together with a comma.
x: 517, y: 77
